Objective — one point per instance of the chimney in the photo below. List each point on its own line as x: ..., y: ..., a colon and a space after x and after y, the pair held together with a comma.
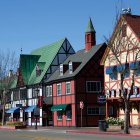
x: 90, y: 39
x: 10, y: 73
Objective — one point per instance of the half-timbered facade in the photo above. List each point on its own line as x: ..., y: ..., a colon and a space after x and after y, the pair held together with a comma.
x: 79, y: 78
x: 33, y: 71
x: 131, y: 33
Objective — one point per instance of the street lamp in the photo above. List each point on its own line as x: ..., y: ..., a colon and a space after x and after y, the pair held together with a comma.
x: 37, y: 91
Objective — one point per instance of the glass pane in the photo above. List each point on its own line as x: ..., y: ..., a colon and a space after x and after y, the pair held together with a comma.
x: 98, y: 86
x: 88, y: 86
x: 93, y: 86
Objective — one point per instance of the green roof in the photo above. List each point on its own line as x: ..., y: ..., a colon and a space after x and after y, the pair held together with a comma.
x: 41, y: 65
x: 13, y: 85
x: 90, y: 27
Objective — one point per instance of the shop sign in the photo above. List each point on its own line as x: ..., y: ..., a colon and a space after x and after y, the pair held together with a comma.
x: 118, y: 91
x: 101, y: 99
x: 36, y: 111
x: 112, y: 92
x: 135, y: 89
x: 18, y: 105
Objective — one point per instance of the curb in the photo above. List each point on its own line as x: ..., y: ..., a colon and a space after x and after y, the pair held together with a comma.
x: 7, y: 129
x: 96, y: 133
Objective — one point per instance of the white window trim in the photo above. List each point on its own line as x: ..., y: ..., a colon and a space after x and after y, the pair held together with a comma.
x: 57, y: 91
x: 92, y: 91
x: 61, y: 71
x: 48, y: 95
x: 105, y: 111
x: 70, y: 72
x: 93, y: 114
x: 66, y: 87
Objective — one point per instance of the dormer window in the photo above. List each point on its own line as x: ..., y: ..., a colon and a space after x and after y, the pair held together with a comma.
x: 61, y: 69
x: 70, y: 67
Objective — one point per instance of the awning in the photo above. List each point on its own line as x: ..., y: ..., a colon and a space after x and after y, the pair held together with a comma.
x: 136, y: 65
x: 119, y: 68
x: 13, y: 110
x: 30, y: 108
x: 59, y: 107
x: 110, y: 70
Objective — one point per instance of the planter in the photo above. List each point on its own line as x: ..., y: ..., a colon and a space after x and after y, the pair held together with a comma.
x: 113, y: 127
x: 20, y: 127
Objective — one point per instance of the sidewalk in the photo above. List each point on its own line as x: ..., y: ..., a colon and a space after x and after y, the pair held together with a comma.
x: 83, y: 130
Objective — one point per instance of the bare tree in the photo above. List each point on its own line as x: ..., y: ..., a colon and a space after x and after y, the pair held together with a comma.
x: 8, y: 67
x: 121, y: 48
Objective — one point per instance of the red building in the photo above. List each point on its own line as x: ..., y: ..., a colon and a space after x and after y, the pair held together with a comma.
x: 79, y: 78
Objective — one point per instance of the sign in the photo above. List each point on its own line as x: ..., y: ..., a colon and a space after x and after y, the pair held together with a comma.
x: 36, y: 111
x: 18, y: 105
x: 81, y: 104
x: 40, y: 101
x: 135, y: 89
x: 118, y: 91
x: 101, y: 99
x: 112, y: 92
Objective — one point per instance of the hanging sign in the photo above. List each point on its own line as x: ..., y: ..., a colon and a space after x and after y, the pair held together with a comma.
x: 135, y: 89
x: 101, y: 99
x: 133, y: 96
x: 118, y: 91
x: 36, y: 111
x: 129, y: 88
x: 18, y: 105
x: 112, y: 92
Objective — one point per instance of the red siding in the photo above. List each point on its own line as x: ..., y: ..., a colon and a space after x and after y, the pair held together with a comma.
x: 54, y: 89
x: 54, y: 100
x: 59, y: 100
x: 63, y: 88
x: 64, y: 120
x: 68, y: 99
x: 55, y: 118
x: 92, y: 98
x: 68, y: 123
x: 73, y: 115
x: 73, y: 98
x: 72, y: 87
x: 59, y: 123
x: 63, y: 100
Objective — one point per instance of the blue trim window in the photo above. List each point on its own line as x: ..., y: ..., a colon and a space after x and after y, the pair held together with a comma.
x: 113, y: 77
x: 126, y: 76
x: 137, y: 73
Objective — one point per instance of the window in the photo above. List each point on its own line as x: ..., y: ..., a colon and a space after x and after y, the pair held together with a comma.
x: 49, y: 91
x: 137, y: 73
x: 68, y: 114
x: 103, y: 110
x: 23, y: 93
x: 59, y: 115
x: 61, y: 69
x: 93, y: 110
x: 68, y: 88
x: 93, y: 86
x: 34, y: 95
x: 58, y: 89
x: 113, y: 77
x: 15, y: 95
x: 126, y: 76
x: 70, y: 67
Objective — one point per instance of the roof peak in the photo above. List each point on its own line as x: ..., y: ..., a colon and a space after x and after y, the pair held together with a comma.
x: 90, y: 27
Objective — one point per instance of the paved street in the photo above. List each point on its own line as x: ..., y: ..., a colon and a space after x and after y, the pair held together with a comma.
x: 48, y: 134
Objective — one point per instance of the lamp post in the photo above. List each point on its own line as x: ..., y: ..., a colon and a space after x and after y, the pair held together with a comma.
x: 37, y: 91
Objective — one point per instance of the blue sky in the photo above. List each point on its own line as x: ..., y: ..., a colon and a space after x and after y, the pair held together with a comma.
x: 36, y: 23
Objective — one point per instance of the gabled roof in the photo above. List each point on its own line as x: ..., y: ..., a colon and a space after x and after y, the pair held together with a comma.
x: 90, y: 27
x: 80, y: 56
x: 133, y: 21
x: 43, y: 57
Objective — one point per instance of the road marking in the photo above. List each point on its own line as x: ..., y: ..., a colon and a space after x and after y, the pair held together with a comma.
x: 38, y: 138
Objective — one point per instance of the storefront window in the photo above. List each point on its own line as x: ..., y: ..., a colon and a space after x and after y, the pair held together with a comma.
x: 23, y: 94
x: 68, y: 114
x: 59, y: 115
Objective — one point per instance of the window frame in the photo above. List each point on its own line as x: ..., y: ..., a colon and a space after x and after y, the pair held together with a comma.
x: 61, y: 69
x: 34, y: 95
x: 49, y: 91
x: 16, y: 94
x: 60, y: 114
x: 66, y: 87
x: 90, y: 88
x: 23, y: 94
x: 110, y: 108
x: 57, y: 89
x: 91, y: 110
x: 70, y: 69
